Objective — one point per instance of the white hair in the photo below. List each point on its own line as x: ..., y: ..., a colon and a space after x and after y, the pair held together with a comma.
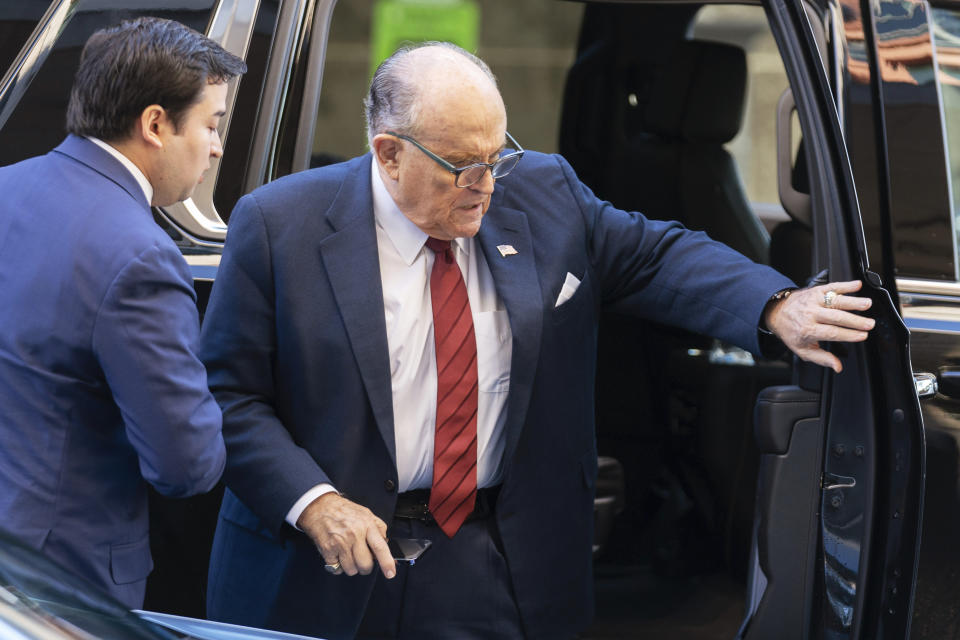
x: 392, y: 103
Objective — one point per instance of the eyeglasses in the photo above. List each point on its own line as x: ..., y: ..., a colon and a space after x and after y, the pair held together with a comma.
x: 472, y: 173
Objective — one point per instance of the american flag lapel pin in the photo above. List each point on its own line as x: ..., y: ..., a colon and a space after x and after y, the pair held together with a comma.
x: 506, y: 250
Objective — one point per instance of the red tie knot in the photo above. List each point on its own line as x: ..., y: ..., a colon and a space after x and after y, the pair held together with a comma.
x: 441, y: 247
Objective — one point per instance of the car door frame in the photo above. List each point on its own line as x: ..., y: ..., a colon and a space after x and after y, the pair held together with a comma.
x: 871, y: 460
x: 909, y: 154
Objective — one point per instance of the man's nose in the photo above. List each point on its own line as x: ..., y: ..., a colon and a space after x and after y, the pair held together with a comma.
x: 486, y: 183
x: 216, y: 147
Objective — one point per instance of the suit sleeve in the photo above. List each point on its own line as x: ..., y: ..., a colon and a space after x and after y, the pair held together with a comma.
x: 145, y: 338
x: 266, y: 468
x: 664, y: 272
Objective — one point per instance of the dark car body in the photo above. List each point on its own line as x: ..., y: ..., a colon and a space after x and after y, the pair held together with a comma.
x: 802, y: 489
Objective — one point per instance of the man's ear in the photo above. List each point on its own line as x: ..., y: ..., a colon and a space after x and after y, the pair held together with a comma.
x: 152, y: 125
x: 387, y: 150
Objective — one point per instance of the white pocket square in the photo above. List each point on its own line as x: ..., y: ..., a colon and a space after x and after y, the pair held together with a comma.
x: 569, y: 288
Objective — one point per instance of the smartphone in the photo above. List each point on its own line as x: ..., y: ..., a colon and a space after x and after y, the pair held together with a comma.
x: 407, y: 550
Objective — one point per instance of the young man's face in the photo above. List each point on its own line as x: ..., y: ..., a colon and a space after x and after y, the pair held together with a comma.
x: 187, y: 150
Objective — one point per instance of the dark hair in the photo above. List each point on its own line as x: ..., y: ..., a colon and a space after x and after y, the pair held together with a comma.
x: 128, y: 67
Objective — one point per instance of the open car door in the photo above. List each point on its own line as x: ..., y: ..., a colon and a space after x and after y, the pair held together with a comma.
x: 840, y: 485
x: 651, y: 108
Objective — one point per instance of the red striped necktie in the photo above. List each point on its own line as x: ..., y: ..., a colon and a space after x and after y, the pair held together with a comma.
x: 454, y: 488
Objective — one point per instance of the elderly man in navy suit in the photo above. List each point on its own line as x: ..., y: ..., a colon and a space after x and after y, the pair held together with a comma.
x: 101, y: 391
x: 404, y: 345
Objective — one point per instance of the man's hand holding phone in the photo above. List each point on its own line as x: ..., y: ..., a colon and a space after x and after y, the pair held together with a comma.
x: 348, y: 536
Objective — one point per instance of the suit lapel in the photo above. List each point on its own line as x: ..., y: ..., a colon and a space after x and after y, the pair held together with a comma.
x: 515, y: 277
x: 351, y: 258
x: 353, y: 266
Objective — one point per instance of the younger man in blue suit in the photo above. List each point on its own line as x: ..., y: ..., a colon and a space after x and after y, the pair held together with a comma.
x: 100, y: 388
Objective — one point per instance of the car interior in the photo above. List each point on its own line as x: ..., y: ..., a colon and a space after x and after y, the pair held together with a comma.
x: 675, y: 409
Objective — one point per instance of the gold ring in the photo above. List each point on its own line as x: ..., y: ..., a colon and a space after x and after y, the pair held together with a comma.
x: 829, y: 298
x: 334, y: 568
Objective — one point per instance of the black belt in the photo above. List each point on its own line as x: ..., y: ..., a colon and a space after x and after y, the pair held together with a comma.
x: 413, y: 505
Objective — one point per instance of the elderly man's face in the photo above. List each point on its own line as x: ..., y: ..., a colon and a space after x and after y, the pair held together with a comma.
x: 434, y: 203
x: 462, y: 122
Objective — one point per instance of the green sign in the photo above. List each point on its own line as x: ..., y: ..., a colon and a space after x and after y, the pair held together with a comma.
x: 396, y: 22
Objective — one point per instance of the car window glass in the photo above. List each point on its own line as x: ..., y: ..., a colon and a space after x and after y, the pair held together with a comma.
x: 909, y: 90
x: 528, y: 45
x: 946, y: 38
x: 754, y: 147
x: 17, y: 21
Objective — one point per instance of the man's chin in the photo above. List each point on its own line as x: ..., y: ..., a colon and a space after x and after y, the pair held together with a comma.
x: 471, y: 226
x: 468, y: 230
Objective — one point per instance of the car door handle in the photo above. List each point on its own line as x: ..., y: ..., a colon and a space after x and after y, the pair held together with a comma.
x: 927, y: 386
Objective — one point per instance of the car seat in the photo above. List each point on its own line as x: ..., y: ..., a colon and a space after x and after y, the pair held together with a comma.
x: 661, y: 150
x: 644, y: 127
x: 791, y: 241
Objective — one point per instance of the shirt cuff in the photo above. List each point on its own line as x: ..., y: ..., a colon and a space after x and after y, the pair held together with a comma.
x: 300, y: 505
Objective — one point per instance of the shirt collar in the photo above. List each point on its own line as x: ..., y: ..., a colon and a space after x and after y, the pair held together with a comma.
x: 132, y: 168
x: 407, y: 238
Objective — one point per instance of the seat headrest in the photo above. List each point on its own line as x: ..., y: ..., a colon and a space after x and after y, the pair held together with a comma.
x: 699, y: 95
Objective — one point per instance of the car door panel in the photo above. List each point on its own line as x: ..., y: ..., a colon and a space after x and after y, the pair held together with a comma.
x: 789, y: 436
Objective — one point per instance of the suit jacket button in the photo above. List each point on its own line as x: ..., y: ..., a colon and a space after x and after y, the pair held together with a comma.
x: 389, y: 485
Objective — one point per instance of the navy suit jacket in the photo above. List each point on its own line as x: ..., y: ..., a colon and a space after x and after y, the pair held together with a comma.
x: 100, y: 388
x: 295, y: 344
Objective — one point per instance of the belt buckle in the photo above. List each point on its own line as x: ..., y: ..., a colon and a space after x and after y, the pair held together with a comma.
x: 425, y: 516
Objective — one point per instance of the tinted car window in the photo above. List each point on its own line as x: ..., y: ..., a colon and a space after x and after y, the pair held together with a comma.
x: 946, y: 38
x: 17, y: 21
x: 37, y: 123
x: 908, y: 85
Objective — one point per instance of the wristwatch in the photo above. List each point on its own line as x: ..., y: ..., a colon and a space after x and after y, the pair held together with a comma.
x: 770, y: 344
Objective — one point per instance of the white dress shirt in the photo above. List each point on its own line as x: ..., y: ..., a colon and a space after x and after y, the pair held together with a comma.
x: 132, y: 168
x: 405, y: 266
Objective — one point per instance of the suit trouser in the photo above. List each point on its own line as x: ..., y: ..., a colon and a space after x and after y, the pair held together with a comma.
x: 459, y: 588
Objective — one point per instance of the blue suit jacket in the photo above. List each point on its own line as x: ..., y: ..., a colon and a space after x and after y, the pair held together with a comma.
x: 100, y: 388
x: 295, y: 344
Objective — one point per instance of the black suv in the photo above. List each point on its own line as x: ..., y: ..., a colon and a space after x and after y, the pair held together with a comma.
x: 764, y: 498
